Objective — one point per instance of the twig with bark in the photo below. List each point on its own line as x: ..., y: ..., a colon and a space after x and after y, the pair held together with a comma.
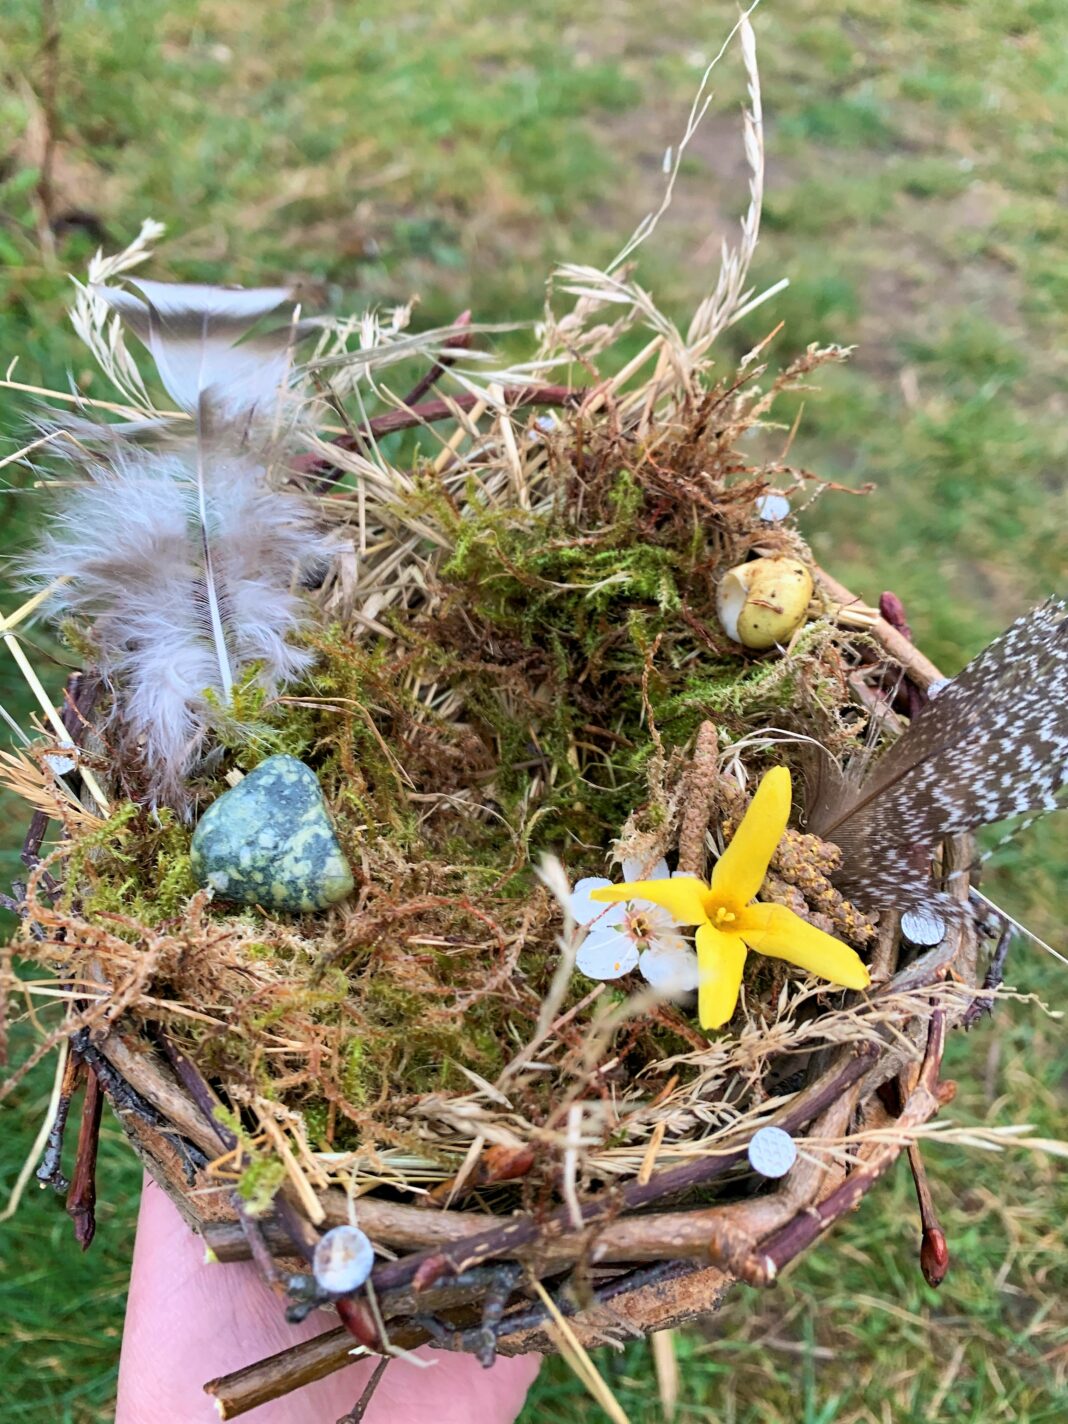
x: 81, y: 1200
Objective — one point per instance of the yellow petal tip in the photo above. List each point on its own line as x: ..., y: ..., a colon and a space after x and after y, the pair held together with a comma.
x: 605, y: 894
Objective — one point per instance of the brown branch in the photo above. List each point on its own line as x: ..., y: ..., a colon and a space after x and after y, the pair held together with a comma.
x: 893, y: 611
x: 425, y: 1267
x: 634, y: 1300
x: 79, y: 698
x: 924, y: 1101
x: 430, y: 411
x: 934, y: 1250
x: 81, y: 1200
x: 50, y: 1172
x: 992, y: 981
x: 459, y: 343
x: 146, y: 1077
x: 268, y: 1379
x: 280, y: 1373
x: 359, y: 1409
x: 920, y: 669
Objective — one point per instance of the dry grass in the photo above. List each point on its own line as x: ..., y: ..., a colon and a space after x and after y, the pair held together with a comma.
x: 491, y: 462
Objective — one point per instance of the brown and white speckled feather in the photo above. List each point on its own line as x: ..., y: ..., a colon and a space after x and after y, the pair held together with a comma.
x: 993, y: 744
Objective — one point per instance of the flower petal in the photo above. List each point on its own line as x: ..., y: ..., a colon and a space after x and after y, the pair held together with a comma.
x: 634, y: 868
x: 683, y: 896
x: 776, y: 931
x: 740, y: 870
x: 720, y: 959
x: 584, y: 911
x: 662, y: 926
x: 606, y: 954
x: 671, y: 968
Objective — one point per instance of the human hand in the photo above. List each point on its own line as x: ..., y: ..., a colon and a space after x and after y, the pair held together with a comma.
x: 187, y: 1321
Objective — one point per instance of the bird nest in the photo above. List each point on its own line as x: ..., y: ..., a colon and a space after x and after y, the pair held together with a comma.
x: 518, y: 675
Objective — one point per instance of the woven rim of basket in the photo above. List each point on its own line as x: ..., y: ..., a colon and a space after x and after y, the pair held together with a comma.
x: 645, y: 1265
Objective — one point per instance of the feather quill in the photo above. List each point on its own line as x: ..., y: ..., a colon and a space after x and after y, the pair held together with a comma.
x: 993, y: 744
x: 180, y: 546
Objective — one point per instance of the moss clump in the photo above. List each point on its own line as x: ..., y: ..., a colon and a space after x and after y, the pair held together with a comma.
x: 263, y: 1174
x: 135, y: 865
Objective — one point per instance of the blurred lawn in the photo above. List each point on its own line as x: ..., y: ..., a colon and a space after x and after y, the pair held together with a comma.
x: 918, y: 201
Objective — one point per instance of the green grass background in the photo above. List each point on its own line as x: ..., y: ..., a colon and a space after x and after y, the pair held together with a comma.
x: 918, y: 201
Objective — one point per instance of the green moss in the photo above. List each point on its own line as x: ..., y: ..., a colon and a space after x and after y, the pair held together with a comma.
x: 136, y: 865
x: 256, y: 725
x: 359, y: 1077
x: 264, y: 1173
x: 259, y: 1183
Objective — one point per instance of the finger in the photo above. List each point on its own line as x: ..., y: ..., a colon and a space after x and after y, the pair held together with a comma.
x: 188, y: 1321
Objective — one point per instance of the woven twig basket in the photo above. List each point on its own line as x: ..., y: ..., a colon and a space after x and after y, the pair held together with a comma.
x: 643, y: 1257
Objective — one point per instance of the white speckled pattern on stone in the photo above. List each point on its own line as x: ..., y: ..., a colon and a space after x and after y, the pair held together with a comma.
x: 269, y: 842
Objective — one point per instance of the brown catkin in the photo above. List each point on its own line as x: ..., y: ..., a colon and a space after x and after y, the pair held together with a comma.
x: 701, y: 794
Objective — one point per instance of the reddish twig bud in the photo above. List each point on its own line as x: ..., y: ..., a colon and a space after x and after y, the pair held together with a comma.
x: 355, y: 1315
x: 934, y: 1256
x: 893, y: 610
x: 430, y: 1270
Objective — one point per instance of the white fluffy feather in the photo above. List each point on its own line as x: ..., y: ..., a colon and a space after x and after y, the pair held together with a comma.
x: 181, y: 553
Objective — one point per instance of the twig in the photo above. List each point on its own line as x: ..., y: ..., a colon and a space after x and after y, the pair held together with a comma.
x: 125, y: 1098
x: 442, y: 364
x: 359, y: 1409
x: 893, y: 610
x: 504, y: 1281
x: 257, y: 1244
x: 199, y: 1090
x: 934, y: 1250
x: 287, y: 1370
x: 766, y: 1264
x: 521, y: 1322
x: 647, y: 1287
x: 428, y: 412
x: 991, y: 982
x: 50, y: 1172
x: 79, y: 698
x: 299, y: 1233
x: 920, y: 669
x: 81, y: 1200
x: 425, y: 1267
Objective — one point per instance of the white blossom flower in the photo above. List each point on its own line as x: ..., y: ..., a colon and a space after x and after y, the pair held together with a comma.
x: 633, y: 934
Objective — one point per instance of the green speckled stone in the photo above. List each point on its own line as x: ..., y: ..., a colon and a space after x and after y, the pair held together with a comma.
x: 268, y: 841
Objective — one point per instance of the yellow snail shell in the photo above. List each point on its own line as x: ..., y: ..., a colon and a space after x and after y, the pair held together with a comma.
x: 763, y: 602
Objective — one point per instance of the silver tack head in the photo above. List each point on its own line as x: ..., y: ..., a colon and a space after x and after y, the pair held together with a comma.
x: 923, y: 928
x: 772, y: 1152
x: 772, y: 507
x: 343, y: 1260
